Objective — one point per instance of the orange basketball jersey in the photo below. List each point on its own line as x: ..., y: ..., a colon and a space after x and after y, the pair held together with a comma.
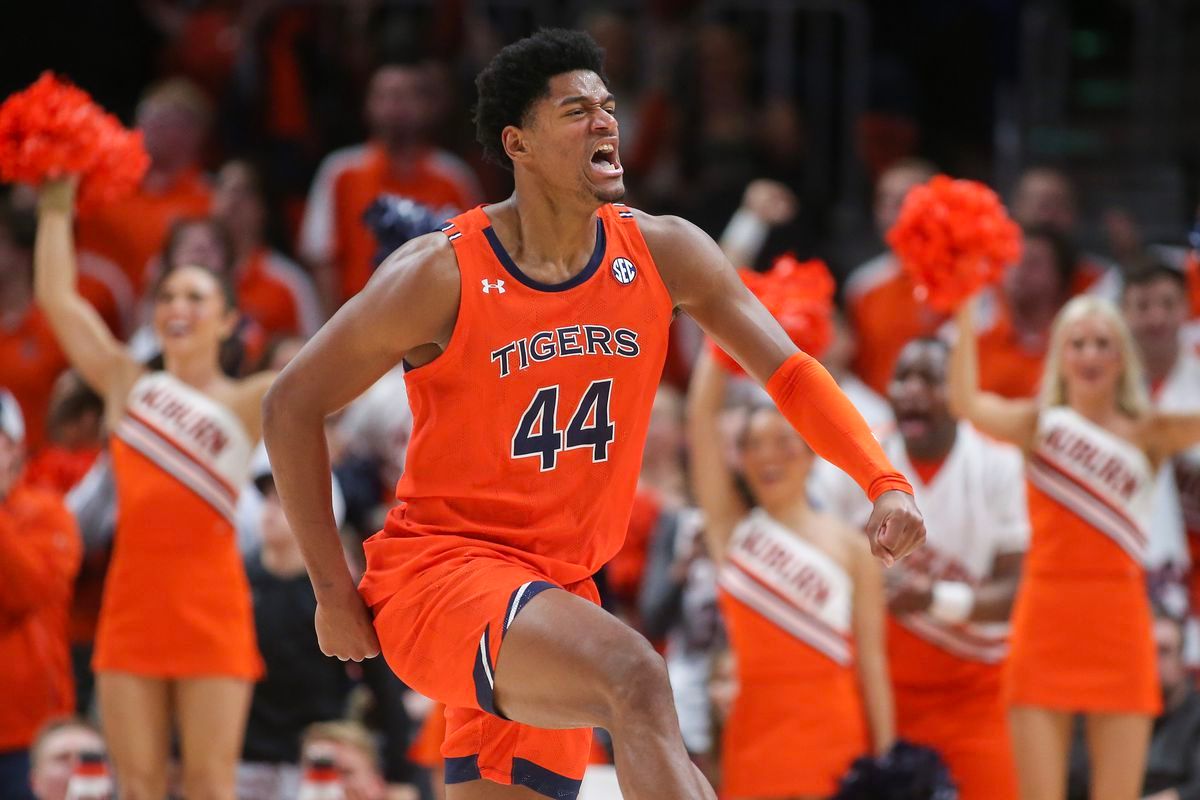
x: 528, y: 429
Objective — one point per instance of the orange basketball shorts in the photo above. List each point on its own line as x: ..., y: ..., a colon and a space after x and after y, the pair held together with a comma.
x: 441, y: 631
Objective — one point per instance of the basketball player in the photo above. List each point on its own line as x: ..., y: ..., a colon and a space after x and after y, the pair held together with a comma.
x: 534, y: 331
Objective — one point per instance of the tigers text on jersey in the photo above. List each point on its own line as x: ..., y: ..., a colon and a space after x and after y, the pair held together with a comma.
x: 528, y: 429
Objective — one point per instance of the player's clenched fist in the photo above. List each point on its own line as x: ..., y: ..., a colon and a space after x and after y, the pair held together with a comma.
x: 344, y: 629
x: 896, y: 527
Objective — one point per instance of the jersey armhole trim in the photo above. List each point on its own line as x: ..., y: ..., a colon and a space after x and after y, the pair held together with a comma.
x: 461, y: 325
x: 634, y: 232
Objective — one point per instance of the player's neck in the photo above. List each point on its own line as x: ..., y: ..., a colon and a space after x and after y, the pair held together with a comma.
x: 545, y: 234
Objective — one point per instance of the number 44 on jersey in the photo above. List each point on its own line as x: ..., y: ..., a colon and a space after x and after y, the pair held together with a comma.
x: 537, y: 434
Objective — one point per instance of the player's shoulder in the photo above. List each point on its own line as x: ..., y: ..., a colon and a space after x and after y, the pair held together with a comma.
x: 680, y: 249
x: 666, y: 229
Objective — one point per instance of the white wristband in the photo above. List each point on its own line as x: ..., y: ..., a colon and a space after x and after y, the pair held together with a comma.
x: 745, y: 235
x: 952, y: 602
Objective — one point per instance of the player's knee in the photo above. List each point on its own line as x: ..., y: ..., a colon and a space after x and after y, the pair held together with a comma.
x: 639, y: 683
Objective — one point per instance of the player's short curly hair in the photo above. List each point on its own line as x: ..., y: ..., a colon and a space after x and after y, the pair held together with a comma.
x: 520, y: 74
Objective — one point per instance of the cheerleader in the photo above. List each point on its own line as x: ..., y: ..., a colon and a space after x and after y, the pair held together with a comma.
x: 1082, y: 639
x: 803, y: 601
x: 175, y: 646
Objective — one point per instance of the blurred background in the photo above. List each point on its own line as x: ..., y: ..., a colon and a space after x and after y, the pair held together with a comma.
x: 820, y: 95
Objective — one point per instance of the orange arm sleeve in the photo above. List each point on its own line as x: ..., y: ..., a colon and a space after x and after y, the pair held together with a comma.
x: 38, y: 561
x: 811, y: 400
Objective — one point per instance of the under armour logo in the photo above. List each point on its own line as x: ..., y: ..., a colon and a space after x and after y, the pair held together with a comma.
x: 498, y: 286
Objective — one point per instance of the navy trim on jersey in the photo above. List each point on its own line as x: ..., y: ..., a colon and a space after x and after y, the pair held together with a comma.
x: 519, y: 598
x: 512, y: 269
x: 484, y: 671
x: 524, y: 773
x: 462, y: 769
x: 483, y: 674
x: 543, y: 781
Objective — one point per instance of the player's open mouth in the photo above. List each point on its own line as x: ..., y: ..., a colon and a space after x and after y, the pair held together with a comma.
x: 605, y: 161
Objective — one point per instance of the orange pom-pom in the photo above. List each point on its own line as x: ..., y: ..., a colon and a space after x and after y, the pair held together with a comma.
x: 799, y: 294
x: 953, y: 237
x: 53, y: 129
x: 119, y: 170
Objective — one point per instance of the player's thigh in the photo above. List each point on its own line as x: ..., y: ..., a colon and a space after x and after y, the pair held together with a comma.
x: 211, y: 714
x: 1117, y: 745
x: 1041, y: 747
x: 567, y: 663
x: 135, y: 713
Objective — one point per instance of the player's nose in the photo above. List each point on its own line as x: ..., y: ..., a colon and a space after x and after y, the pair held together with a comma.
x: 602, y: 120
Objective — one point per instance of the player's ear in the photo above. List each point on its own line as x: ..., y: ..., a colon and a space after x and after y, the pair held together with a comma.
x: 515, y: 142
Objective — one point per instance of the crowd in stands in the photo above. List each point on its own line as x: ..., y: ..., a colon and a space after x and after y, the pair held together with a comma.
x: 249, y: 180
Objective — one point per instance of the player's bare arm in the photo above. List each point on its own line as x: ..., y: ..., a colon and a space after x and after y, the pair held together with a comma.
x: 705, y: 286
x: 407, y: 310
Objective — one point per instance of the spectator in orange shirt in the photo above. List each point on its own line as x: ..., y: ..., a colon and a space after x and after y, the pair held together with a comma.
x: 174, y: 118
x: 1045, y: 197
x: 30, y: 358
x: 879, y: 294
x: 39, y: 555
x: 271, y: 288
x: 76, y: 438
x: 1013, y: 346
x: 398, y: 160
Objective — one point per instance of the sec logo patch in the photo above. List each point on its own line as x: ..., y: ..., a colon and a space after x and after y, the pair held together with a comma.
x: 624, y: 271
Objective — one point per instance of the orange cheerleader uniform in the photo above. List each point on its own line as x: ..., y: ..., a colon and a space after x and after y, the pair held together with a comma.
x: 798, y: 719
x: 1082, y: 631
x: 176, y: 601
